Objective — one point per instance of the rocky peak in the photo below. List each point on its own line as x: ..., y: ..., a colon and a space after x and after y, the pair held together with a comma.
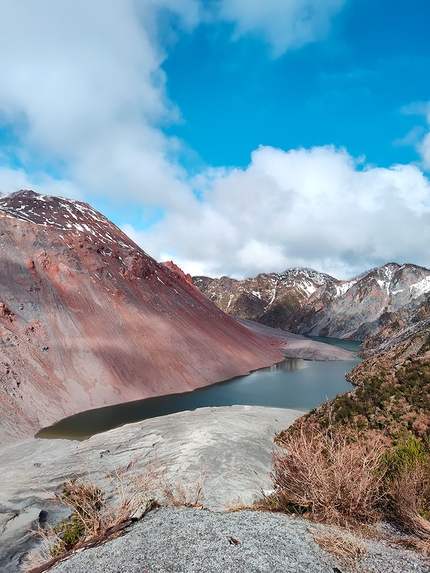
x: 272, y: 299
x: 179, y: 273
x: 62, y: 214
x: 309, y: 302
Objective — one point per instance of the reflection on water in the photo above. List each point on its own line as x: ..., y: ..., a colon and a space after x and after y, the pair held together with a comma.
x: 289, y: 365
x: 293, y: 383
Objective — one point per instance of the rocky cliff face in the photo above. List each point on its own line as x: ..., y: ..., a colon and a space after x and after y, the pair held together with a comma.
x: 88, y: 319
x: 369, y: 303
x: 308, y: 302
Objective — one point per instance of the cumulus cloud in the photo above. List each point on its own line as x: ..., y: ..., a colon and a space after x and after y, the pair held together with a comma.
x: 284, y: 25
x: 424, y: 149
x: 83, y: 91
x: 83, y: 88
x: 318, y: 207
x: 424, y: 145
x: 417, y: 136
x: 16, y: 179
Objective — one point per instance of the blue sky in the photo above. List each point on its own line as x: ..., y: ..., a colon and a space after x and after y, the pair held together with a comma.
x: 347, y: 89
x: 232, y: 136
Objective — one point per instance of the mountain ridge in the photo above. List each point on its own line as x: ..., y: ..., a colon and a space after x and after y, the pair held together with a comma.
x: 312, y: 303
x: 88, y: 319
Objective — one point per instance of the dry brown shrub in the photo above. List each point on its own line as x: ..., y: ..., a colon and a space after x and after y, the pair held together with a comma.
x: 410, y: 494
x: 327, y: 478
x: 415, y: 544
x: 95, y: 517
x: 37, y: 558
x: 178, y: 492
x: 421, y: 424
x: 239, y: 506
x: 343, y: 544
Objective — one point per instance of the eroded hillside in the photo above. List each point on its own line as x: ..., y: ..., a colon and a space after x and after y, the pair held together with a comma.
x: 88, y: 319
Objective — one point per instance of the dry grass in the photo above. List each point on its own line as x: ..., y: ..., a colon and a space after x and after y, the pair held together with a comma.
x: 415, y: 544
x: 95, y: 516
x: 326, y: 478
x: 37, y: 558
x: 408, y: 490
x: 410, y: 495
x: 341, y: 543
x: 177, y: 492
x: 239, y: 506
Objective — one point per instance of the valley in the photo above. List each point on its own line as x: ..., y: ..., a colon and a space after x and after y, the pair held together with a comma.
x: 88, y: 321
x: 388, y: 308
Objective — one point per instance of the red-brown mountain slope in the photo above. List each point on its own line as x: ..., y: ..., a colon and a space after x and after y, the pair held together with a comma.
x: 89, y: 319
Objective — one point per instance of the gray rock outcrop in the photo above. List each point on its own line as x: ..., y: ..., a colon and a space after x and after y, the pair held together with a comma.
x: 217, y: 456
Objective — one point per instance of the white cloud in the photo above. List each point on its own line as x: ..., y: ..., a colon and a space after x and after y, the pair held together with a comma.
x: 424, y: 149
x: 417, y: 136
x: 17, y: 179
x: 285, y: 25
x: 316, y: 207
x: 82, y: 84
x: 424, y: 146
x: 83, y: 89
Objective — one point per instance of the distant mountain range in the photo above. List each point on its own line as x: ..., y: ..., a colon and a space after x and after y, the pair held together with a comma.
x: 88, y: 319
x: 308, y: 302
x: 388, y: 308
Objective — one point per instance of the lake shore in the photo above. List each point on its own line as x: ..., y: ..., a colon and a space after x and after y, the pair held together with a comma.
x: 220, y: 457
x: 228, y: 446
x: 227, y: 450
x: 295, y: 345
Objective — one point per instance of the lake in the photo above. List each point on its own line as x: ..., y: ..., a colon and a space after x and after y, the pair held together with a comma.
x: 294, y: 383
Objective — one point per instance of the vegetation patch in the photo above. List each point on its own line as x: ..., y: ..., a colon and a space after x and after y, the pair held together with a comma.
x: 100, y: 513
x: 327, y: 478
x: 95, y: 517
x: 365, y: 455
x: 342, y: 543
x: 282, y: 312
x: 390, y: 400
x: 407, y: 483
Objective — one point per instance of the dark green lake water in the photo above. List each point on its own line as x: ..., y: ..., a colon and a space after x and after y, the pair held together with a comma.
x: 294, y: 383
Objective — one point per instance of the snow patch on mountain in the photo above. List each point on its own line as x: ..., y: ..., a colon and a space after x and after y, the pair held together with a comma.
x: 62, y: 214
x: 420, y: 288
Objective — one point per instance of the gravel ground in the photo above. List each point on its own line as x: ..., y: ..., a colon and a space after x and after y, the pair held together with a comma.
x: 181, y: 540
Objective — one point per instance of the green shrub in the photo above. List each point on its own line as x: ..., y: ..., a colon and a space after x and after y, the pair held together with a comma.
x: 407, y: 482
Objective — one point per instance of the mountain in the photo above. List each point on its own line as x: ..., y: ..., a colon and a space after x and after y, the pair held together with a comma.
x: 271, y: 299
x: 88, y: 319
x: 367, y: 304
x: 312, y: 303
